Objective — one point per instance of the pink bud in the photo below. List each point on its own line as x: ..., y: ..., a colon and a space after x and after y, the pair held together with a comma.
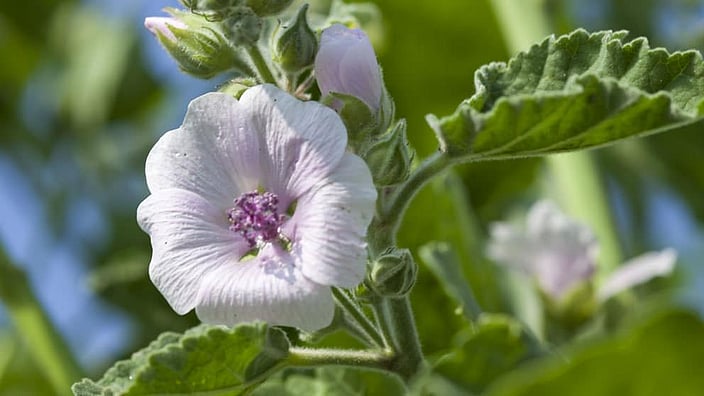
x: 161, y: 25
x: 346, y: 64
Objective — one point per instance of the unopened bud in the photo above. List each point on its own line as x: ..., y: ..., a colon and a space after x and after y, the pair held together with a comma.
x: 389, y: 157
x: 346, y: 64
x: 163, y: 26
x: 268, y: 7
x: 297, y: 45
x: 210, y: 5
x: 393, y: 274
x: 195, y: 43
x: 243, y: 26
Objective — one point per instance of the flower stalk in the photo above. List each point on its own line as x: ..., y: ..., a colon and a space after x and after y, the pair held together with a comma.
x: 363, y: 324
x: 260, y: 64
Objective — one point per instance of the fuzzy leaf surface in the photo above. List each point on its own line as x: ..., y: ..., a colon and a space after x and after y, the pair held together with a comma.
x: 203, y: 360
x: 574, y: 92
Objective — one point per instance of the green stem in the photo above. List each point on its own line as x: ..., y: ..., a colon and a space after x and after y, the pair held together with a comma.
x: 365, y: 326
x: 48, y: 349
x: 308, y: 357
x: 399, y: 326
x: 255, y: 54
x: 386, y: 224
x: 579, y: 186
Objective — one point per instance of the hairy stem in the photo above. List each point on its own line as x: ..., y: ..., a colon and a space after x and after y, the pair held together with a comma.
x: 260, y: 64
x: 308, y: 357
x: 365, y: 326
x: 399, y: 327
x: 386, y: 223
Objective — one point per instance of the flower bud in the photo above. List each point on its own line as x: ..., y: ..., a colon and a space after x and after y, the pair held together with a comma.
x: 209, y: 5
x: 346, y: 64
x: 393, y: 274
x: 195, y: 44
x: 268, y: 7
x: 163, y: 26
x: 389, y: 157
x: 297, y: 45
x: 243, y: 26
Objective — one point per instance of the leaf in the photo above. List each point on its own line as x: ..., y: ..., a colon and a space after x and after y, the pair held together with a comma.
x: 574, y: 92
x: 203, y: 359
x: 332, y: 381
x: 661, y: 356
x: 495, y: 345
x: 443, y: 261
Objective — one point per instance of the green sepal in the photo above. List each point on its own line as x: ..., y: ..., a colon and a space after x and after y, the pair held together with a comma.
x: 297, y: 45
x: 356, y: 115
x: 392, y: 274
x: 242, y: 26
x: 574, y: 309
x: 574, y: 92
x: 236, y: 87
x: 389, y: 156
x: 201, y: 50
x: 204, y: 359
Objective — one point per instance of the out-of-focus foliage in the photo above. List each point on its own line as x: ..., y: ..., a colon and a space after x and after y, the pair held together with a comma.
x: 660, y: 356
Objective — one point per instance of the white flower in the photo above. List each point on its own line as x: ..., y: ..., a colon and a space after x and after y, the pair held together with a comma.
x: 560, y: 254
x: 256, y: 210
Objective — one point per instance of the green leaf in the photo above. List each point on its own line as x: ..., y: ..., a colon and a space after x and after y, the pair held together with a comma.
x: 203, y: 359
x: 493, y: 346
x: 332, y: 381
x: 574, y: 92
x: 661, y: 356
x: 444, y: 262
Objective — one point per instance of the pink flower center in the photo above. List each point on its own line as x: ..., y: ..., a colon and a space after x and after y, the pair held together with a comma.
x: 255, y: 216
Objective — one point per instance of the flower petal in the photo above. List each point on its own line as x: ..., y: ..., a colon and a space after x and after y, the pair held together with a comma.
x: 636, y: 271
x: 330, y: 224
x: 215, y: 153
x: 557, y: 251
x: 190, y: 237
x: 268, y: 288
x: 346, y: 63
x: 304, y: 140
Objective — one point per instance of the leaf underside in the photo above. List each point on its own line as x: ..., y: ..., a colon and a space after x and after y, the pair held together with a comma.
x: 204, y: 360
x: 574, y: 92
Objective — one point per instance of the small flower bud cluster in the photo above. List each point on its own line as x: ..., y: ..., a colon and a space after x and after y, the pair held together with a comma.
x: 297, y: 44
x: 211, y: 36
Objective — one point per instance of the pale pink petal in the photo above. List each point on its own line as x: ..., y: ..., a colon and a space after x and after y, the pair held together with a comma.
x: 346, y: 63
x: 163, y: 25
x: 638, y: 270
x: 267, y: 288
x: 304, y: 141
x: 215, y: 153
x: 190, y: 238
x: 330, y: 223
x: 558, y: 252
